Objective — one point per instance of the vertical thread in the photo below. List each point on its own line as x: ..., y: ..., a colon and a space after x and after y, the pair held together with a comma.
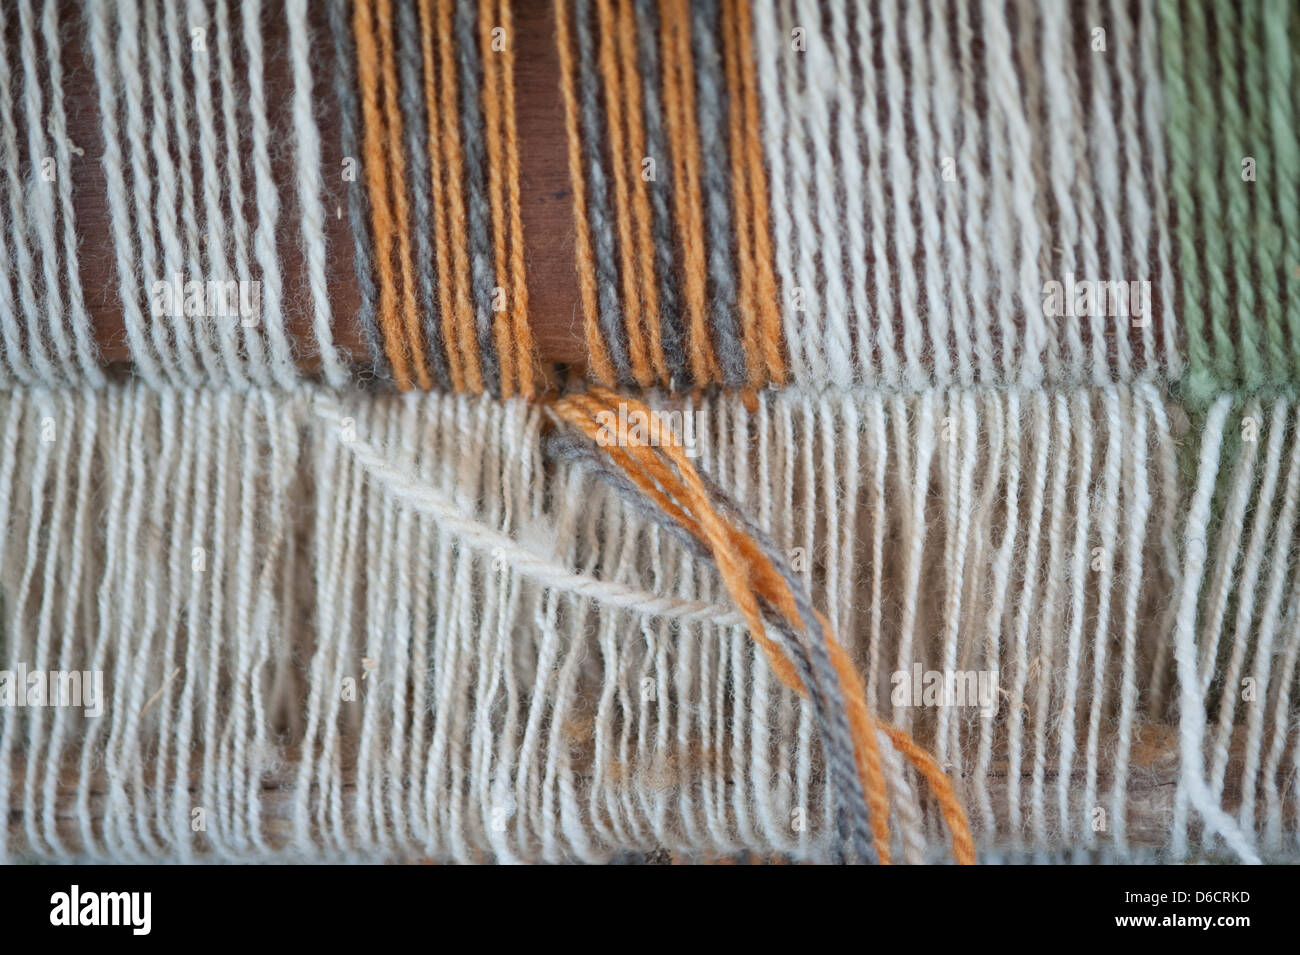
x: 611, y: 318
x: 479, y: 235
x: 401, y: 207
x: 615, y: 96
x: 522, y: 335
x: 345, y: 94
x: 679, y: 103
x: 597, y: 354
x: 729, y: 347
x: 628, y: 33
x: 765, y: 291
x: 307, y: 151
x: 368, y: 75
x: 667, y: 315
x: 414, y: 90
x: 446, y: 320
x: 493, y: 121
x: 466, y: 339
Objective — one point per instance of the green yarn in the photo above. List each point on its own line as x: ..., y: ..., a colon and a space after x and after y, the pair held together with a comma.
x: 1229, y: 83
x: 1178, y: 122
x: 1281, y: 40
x: 1236, y: 200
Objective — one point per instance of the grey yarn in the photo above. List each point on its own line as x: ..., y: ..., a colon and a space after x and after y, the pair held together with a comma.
x: 840, y: 753
x: 716, y: 181
x: 672, y: 334
x: 415, y: 123
x: 852, y: 817
x: 480, y: 226
x: 610, y: 319
x: 345, y: 91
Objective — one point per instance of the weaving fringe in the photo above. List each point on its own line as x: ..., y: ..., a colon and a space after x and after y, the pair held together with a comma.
x: 307, y: 654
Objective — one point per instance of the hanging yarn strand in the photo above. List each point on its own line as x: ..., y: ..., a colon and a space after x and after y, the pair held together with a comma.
x: 752, y: 572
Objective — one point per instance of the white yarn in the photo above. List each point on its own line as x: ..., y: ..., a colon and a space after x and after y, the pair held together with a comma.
x: 1261, y: 532
x: 896, y: 276
x: 29, y: 322
x: 40, y: 193
x: 232, y: 161
x: 214, y: 244
x: 1267, y: 632
x: 268, y: 200
x: 166, y: 212
x: 179, y: 44
x: 1191, y: 722
x: 86, y: 351
x: 307, y: 138
x: 525, y: 699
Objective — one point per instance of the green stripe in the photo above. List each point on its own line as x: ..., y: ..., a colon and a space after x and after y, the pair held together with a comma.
x: 1238, y: 242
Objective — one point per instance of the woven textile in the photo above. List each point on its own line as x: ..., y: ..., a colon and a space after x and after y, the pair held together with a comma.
x: 979, y: 322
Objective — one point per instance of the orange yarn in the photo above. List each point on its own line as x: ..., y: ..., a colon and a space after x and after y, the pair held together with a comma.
x: 401, y: 212
x: 523, y: 333
x: 465, y: 335
x: 640, y: 192
x: 601, y: 366
x: 622, y: 209
x: 748, y: 575
x: 769, y: 320
x: 441, y: 250
x: 749, y: 330
x: 679, y: 111
x: 377, y: 187
x: 491, y: 94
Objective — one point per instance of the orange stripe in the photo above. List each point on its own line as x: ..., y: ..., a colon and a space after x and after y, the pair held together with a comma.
x: 491, y: 96
x: 442, y: 251
x: 597, y: 355
x: 523, y: 334
x: 401, y: 210
x: 622, y: 212
x: 740, y: 199
x: 377, y: 184
x: 679, y: 102
x: 640, y: 197
x: 768, y: 304
x: 466, y: 338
